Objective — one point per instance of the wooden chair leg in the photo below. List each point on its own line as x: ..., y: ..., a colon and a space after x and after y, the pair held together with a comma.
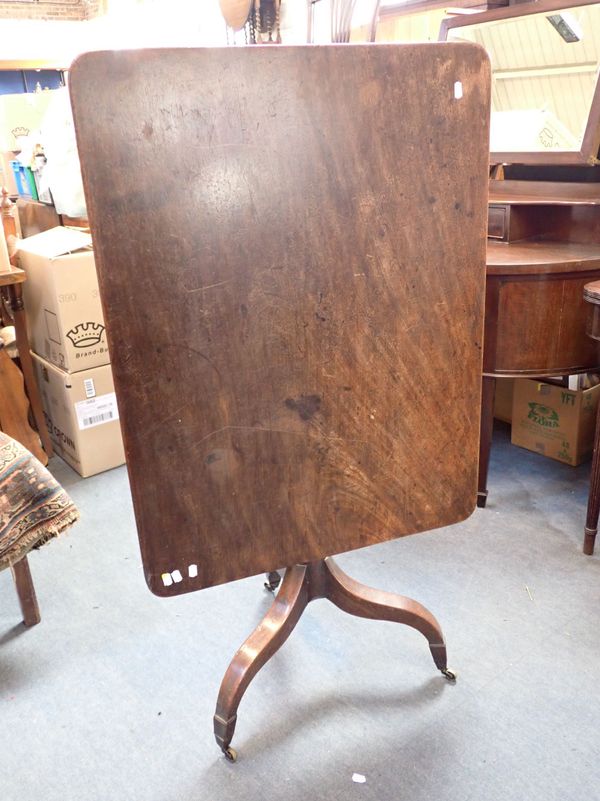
x: 33, y: 392
x: 26, y: 592
x: 260, y: 646
x: 593, y: 507
x: 485, y: 441
x: 356, y: 599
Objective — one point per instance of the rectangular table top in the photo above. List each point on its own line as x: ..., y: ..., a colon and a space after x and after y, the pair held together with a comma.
x: 291, y: 251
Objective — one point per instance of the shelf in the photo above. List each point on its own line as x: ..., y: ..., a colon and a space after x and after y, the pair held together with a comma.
x: 544, y: 193
x: 541, y: 257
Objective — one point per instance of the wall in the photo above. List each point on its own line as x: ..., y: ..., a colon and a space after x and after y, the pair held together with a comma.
x: 52, y: 9
x: 159, y: 23
x: 126, y: 23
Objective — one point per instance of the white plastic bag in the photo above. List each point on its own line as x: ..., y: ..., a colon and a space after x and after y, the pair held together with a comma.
x: 62, y: 173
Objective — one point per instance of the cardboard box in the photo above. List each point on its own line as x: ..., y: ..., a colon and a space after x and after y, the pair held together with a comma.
x: 503, y: 399
x: 555, y: 421
x: 82, y: 416
x: 64, y: 314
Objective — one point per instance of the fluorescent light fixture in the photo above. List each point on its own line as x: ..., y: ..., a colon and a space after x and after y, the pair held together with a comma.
x: 567, y: 26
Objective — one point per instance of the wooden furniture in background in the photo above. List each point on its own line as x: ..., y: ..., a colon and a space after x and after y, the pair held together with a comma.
x: 591, y: 293
x: 289, y: 387
x: 26, y: 592
x: 543, y: 229
x: 12, y: 294
x: 35, y: 217
x: 35, y: 510
x: 14, y: 407
x: 544, y: 246
x: 461, y: 26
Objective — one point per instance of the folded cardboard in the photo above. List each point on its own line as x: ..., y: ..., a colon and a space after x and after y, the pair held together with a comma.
x: 553, y: 420
x: 64, y: 314
x: 82, y: 416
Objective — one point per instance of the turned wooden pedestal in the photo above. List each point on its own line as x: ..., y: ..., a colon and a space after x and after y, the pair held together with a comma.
x: 301, y: 585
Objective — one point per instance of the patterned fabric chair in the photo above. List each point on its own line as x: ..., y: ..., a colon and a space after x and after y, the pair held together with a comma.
x: 34, y: 508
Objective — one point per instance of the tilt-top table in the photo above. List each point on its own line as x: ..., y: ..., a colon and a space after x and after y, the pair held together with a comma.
x: 291, y: 253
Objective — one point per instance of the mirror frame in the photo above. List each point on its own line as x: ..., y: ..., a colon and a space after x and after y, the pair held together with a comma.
x: 588, y: 153
x: 31, y: 64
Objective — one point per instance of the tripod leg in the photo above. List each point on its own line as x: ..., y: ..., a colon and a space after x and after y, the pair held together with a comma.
x: 260, y: 646
x: 357, y: 599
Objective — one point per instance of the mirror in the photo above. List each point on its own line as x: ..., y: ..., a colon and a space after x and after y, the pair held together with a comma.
x: 545, y: 60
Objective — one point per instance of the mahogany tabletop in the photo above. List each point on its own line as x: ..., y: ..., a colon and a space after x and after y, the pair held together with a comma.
x: 291, y: 250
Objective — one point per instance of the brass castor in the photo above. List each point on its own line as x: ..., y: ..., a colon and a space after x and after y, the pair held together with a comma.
x: 449, y: 674
x: 230, y: 754
x: 273, y: 581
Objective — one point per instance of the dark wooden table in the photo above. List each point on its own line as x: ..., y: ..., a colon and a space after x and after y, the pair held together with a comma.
x: 289, y: 296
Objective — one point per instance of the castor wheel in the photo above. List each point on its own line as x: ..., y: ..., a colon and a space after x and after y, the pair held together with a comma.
x: 230, y: 754
x: 449, y: 674
x: 273, y: 581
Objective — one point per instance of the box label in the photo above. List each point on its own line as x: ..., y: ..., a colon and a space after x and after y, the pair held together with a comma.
x: 543, y: 415
x: 90, y: 389
x: 97, y: 411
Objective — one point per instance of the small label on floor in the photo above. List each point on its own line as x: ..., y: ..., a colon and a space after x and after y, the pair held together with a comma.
x: 97, y: 411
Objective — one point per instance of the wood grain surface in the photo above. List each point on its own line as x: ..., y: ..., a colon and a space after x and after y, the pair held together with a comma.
x: 551, y: 193
x: 291, y: 252
x: 12, y: 276
x: 541, y: 325
x: 539, y: 316
x: 591, y: 292
x: 542, y: 258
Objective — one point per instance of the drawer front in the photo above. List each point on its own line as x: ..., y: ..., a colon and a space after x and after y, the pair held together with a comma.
x: 497, y: 222
x: 541, y: 327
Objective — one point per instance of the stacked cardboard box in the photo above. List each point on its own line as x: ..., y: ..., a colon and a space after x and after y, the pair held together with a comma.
x: 555, y: 421
x: 70, y: 353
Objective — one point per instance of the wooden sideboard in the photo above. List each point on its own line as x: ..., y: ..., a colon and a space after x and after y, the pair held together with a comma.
x: 543, y: 246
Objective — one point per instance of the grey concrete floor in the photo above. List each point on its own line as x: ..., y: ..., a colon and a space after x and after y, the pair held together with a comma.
x: 111, y: 697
